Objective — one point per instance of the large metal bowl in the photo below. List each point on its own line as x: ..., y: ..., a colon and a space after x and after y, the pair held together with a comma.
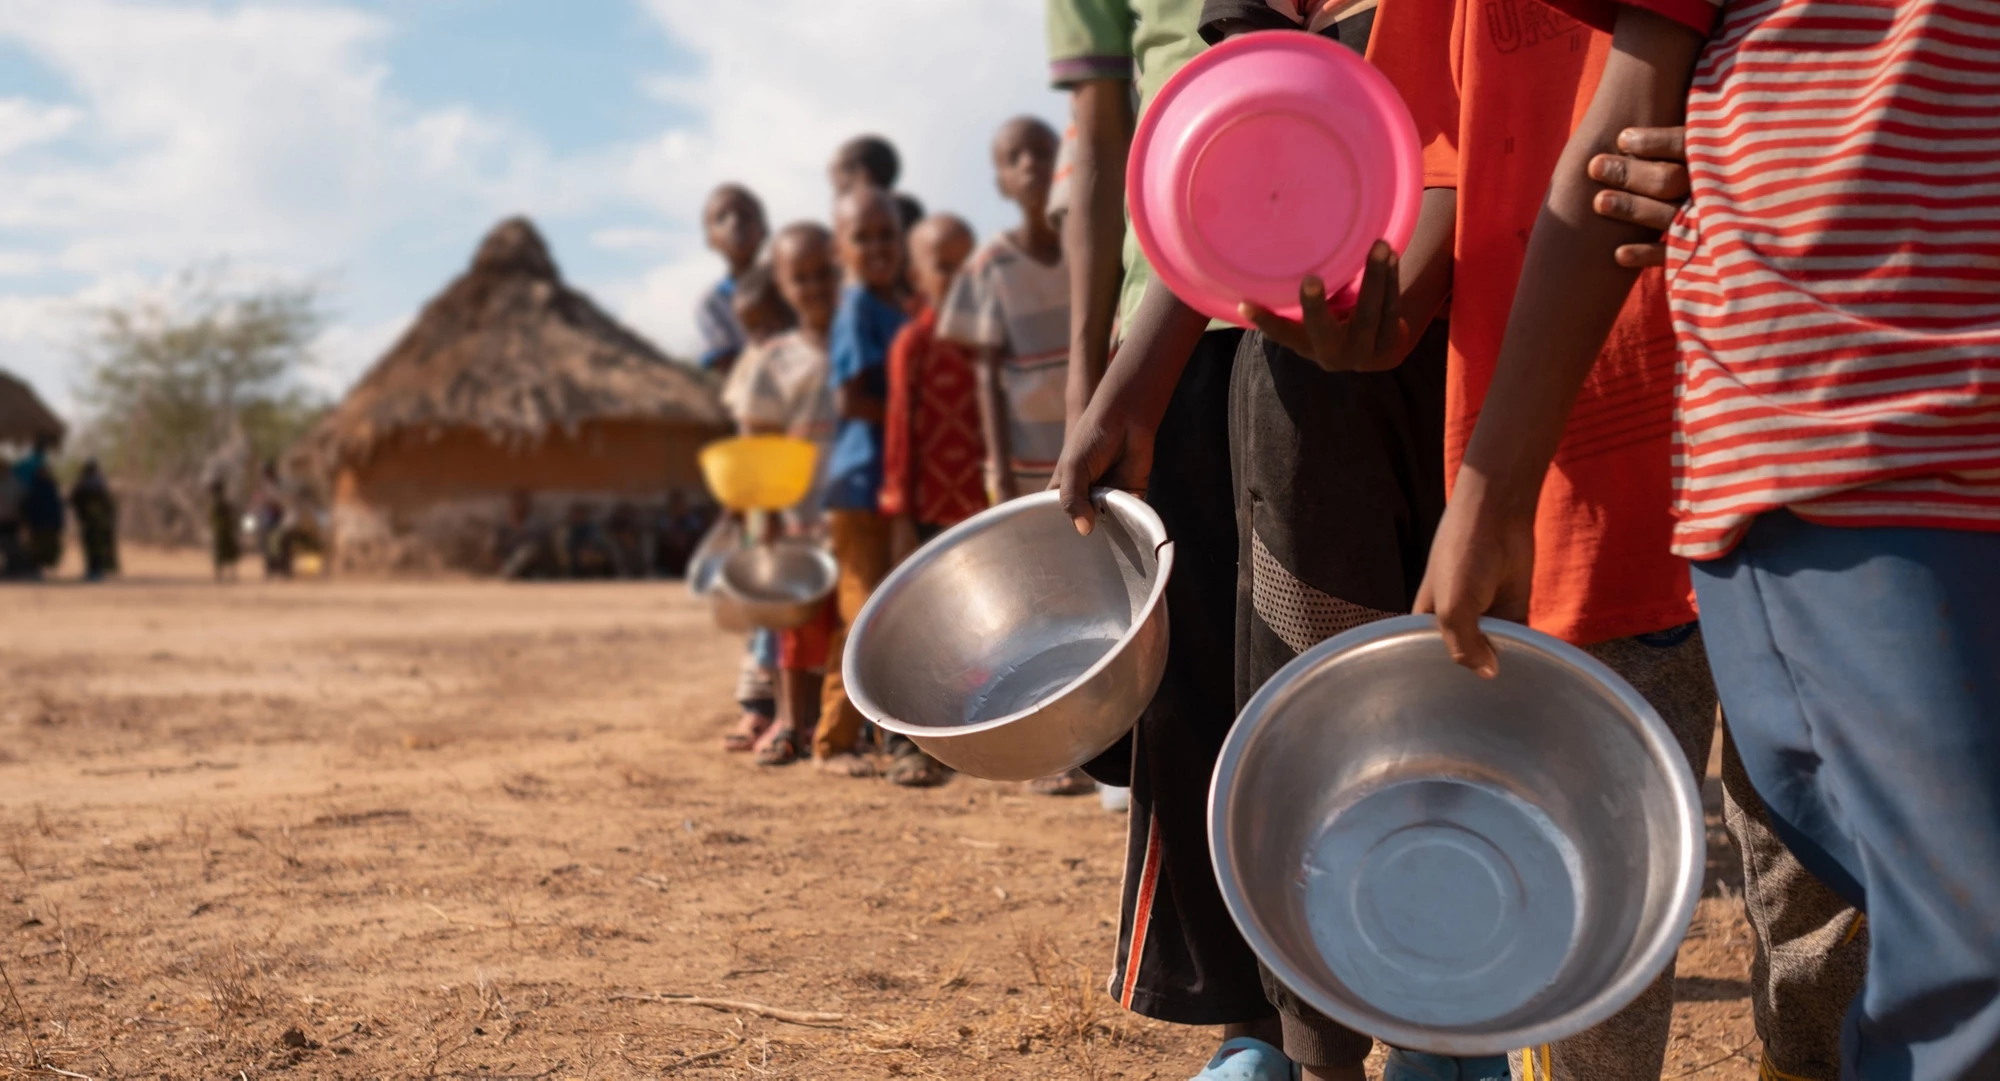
x: 1453, y: 864
x: 1011, y: 648
x: 773, y: 586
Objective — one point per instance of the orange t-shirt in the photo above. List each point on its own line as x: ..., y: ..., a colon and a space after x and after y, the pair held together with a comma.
x: 1496, y: 87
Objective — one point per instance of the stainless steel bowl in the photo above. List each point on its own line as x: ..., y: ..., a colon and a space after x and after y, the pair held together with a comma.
x: 1011, y: 648
x: 1452, y: 864
x: 774, y: 586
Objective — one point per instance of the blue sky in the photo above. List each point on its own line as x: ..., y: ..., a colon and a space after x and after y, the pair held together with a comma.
x: 365, y: 145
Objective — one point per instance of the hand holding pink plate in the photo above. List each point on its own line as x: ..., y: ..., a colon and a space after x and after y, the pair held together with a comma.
x: 1268, y: 158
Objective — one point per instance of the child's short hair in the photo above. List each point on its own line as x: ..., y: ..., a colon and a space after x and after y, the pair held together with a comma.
x: 908, y: 210
x: 760, y: 307
x: 873, y: 156
x: 726, y: 193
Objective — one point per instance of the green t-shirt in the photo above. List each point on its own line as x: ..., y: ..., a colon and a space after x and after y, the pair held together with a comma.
x: 1145, y: 41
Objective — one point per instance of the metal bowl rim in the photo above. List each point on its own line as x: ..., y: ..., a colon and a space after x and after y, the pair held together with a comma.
x: 1106, y: 499
x: 1599, y: 1007
x: 820, y: 555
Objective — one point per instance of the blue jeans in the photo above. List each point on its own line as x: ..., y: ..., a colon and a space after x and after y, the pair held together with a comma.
x: 1860, y: 670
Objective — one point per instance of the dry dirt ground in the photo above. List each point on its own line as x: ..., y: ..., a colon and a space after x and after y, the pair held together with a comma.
x: 454, y: 829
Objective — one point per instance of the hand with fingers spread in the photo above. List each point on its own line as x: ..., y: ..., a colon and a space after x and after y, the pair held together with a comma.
x: 1648, y: 183
x: 1373, y: 337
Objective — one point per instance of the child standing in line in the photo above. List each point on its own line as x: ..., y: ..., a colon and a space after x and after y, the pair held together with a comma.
x: 763, y: 314
x: 932, y: 452
x: 1336, y: 456
x: 733, y: 221
x: 1836, y: 460
x: 1011, y: 306
x: 869, y: 237
x: 225, y: 538
x: 1495, y: 111
x: 785, y: 392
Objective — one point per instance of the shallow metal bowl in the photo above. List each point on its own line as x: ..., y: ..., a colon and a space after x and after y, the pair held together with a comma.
x: 1011, y: 648
x: 777, y: 586
x: 1453, y: 864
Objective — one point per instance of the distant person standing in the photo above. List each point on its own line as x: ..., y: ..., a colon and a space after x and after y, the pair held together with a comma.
x: 224, y: 531
x: 733, y: 222
x: 14, y: 562
x: 96, y: 513
x: 41, y: 507
x: 272, y: 508
x: 868, y: 234
x: 1011, y: 307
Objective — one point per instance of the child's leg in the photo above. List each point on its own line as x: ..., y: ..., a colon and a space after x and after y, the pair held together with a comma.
x: 1858, y: 668
x: 1178, y: 957
x: 1340, y: 484
x: 860, y: 541
x: 1811, y: 946
x: 1799, y: 1003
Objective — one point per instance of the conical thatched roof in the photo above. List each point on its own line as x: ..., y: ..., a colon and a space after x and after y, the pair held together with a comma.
x: 509, y: 349
x: 23, y: 416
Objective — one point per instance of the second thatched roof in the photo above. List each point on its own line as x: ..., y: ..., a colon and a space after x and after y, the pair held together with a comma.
x: 23, y: 416
x: 509, y: 349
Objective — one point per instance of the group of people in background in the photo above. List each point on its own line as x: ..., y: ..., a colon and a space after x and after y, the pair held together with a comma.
x: 1752, y: 468
x: 621, y: 540
x: 281, y: 524
x: 930, y: 370
x: 33, y: 518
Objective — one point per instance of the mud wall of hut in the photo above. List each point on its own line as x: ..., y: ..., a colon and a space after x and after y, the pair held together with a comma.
x: 426, y: 501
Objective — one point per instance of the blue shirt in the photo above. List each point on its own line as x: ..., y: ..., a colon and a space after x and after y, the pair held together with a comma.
x: 721, y: 334
x: 858, y: 346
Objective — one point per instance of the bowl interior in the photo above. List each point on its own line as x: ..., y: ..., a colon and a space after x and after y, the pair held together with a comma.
x: 778, y: 573
x: 1434, y: 853
x: 1001, y: 613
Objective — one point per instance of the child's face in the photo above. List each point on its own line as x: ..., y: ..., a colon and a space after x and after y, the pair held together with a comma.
x: 1024, y: 161
x: 735, y: 226
x: 938, y: 248
x: 871, y: 239
x: 803, y: 267
x: 847, y: 179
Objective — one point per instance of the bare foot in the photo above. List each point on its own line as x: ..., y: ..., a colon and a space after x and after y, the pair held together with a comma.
x: 750, y: 728
x: 845, y: 764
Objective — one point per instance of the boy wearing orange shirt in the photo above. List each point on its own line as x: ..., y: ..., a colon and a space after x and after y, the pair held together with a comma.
x: 1496, y: 90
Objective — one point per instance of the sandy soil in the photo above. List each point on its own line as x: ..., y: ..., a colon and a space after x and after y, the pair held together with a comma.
x: 458, y: 829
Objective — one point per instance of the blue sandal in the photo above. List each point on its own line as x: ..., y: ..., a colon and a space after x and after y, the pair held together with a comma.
x: 1423, y: 1066
x: 1247, y: 1059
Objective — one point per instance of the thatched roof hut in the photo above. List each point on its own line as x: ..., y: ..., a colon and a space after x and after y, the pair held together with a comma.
x: 508, y: 381
x: 24, y: 417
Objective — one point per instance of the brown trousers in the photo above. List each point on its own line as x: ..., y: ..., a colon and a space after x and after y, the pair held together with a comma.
x: 860, y: 541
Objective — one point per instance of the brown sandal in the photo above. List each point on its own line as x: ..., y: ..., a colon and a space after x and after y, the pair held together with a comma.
x: 750, y: 729
x: 779, y: 747
x: 915, y: 769
x: 1074, y: 783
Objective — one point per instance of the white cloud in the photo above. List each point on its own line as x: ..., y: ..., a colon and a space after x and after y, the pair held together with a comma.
x: 267, y: 134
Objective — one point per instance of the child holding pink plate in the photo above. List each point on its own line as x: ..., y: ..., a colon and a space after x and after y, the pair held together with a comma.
x: 1336, y: 418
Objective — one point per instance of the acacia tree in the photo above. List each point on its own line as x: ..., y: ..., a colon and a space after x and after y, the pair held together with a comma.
x: 200, y: 386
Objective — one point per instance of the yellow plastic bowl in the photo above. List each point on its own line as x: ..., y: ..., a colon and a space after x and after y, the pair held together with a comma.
x: 759, y: 472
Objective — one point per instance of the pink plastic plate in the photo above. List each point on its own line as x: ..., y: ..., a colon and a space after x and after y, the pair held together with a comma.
x: 1267, y: 158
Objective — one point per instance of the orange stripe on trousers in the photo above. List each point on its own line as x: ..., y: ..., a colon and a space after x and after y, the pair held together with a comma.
x: 1142, y: 910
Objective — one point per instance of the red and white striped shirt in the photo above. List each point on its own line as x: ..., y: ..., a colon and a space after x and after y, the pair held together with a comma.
x: 1835, y: 280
